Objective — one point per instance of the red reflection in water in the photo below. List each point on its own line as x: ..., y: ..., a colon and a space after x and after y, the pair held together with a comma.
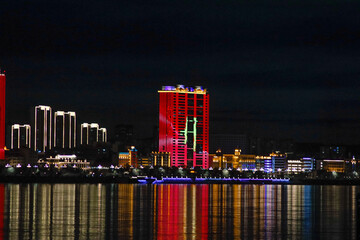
x: 168, y: 211
x: 203, y: 210
x: 175, y: 205
x: 2, y: 204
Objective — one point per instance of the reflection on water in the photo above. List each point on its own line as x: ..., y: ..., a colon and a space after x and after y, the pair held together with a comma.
x: 125, y: 211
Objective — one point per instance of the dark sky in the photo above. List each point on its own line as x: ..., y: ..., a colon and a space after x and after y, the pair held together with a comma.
x: 273, y: 68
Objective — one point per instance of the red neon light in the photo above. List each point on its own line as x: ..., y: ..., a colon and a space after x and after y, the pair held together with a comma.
x: 2, y: 116
x: 177, y: 112
x: 2, y: 209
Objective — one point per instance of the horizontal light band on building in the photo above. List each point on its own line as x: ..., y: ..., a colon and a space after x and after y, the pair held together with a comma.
x: 333, y: 160
x: 42, y: 107
x: 174, y: 91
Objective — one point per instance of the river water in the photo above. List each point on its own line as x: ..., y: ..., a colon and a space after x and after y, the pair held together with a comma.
x: 175, y: 211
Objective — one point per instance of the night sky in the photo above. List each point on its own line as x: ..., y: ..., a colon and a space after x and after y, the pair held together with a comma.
x: 282, y: 69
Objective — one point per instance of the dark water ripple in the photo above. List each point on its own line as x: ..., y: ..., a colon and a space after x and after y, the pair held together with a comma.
x: 133, y: 211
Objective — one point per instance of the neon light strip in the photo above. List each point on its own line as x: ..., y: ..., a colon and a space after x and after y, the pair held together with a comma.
x: 163, y: 91
x: 195, y: 121
x: 246, y: 180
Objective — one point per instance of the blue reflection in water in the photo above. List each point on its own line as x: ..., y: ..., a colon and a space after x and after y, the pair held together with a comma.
x: 307, y: 206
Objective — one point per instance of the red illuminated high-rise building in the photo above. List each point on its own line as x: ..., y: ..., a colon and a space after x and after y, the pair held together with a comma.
x: 184, y: 125
x: 2, y: 115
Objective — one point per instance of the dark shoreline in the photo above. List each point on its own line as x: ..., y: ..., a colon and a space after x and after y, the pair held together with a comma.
x: 105, y: 180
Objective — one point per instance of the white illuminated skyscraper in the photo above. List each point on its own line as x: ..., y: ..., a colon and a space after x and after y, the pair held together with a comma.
x: 91, y: 133
x: 64, y: 129
x: 102, y: 135
x: 84, y: 134
x: 20, y: 136
x: 42, y: 132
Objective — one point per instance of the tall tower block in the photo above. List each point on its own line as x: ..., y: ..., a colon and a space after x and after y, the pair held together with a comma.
x: 2, y: 115
x: 184, y: 125
x: 42, y: 132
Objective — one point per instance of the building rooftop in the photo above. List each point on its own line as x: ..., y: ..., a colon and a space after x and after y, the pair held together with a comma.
x: 183, y: 89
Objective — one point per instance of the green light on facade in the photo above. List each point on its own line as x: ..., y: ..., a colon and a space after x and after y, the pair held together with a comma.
x: 195, y: 121
x: 186, y: 131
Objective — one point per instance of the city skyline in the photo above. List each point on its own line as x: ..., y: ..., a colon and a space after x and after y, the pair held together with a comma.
x: 52, y: 130
x: 243, y: 140
x: 180, y: 119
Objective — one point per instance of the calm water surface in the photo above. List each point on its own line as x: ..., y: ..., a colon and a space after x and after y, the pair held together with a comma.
x: 125, y: 211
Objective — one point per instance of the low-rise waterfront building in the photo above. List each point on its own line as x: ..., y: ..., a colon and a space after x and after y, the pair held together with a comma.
x: 144, y: 161
x: 273, y: 162
x: 65, y: 160
x: 260, y: 162
x: 235, y: 160
x: 161, y: 159
x: 129, y: 158
x: 331, y: 165
x: 300, y: 165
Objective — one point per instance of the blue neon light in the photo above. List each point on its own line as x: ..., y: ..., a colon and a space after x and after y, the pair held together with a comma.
x: 201, y: 180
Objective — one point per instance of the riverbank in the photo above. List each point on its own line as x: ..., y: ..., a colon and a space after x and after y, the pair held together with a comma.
x: 174, y: 180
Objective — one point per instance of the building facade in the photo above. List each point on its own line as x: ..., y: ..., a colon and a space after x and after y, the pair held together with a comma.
x: 64, y: 130
x: 102, y: 135
x: 305, y: 164
x: 160, y: 159
x: 84, y: 133
x: 277, y: 162
x: 235, y: 160
x: 184, y: 125
x: 92, y: 133
x: 43, y: 128
x: 129, y: 158
x: 332, y: 165
x: 2, y: 115
x: 60, y: 161
x: 20, y: 136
